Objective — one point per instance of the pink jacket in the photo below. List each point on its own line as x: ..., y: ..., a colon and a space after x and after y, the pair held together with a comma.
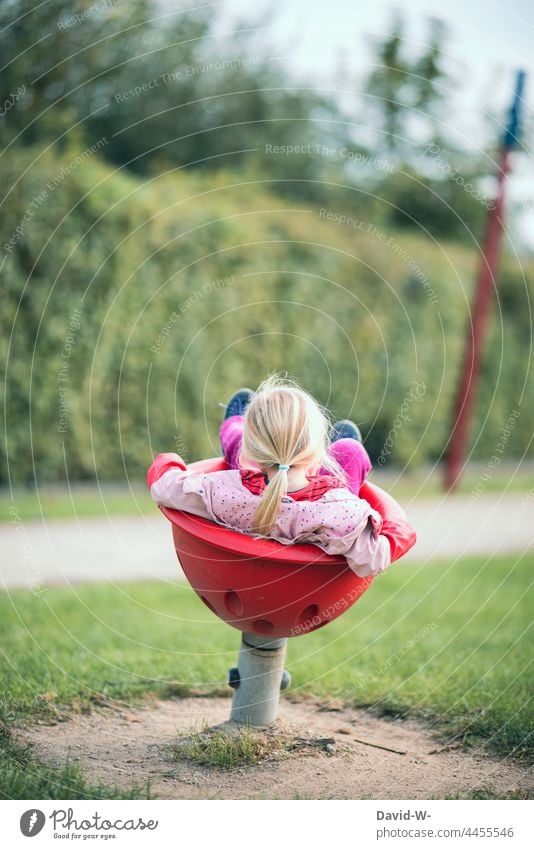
x: 338, y: 523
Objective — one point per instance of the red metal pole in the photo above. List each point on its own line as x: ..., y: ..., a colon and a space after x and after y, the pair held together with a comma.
x: 477, y: 331
x: 486, y: 283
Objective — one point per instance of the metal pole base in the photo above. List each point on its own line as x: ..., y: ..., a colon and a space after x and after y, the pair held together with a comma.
x: 258, y: 679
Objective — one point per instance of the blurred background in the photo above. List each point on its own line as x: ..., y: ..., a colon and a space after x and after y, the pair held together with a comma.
x: 195, y: 197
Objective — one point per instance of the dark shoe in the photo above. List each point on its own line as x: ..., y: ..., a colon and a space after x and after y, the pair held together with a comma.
x: 238, y: 403
x: 345, y: 429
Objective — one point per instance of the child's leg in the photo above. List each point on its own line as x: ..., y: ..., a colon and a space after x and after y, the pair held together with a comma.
x: 230, y: 434
x: 353, y: 459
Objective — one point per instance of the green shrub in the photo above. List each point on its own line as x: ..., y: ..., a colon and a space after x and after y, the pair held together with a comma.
x: 132, y: 308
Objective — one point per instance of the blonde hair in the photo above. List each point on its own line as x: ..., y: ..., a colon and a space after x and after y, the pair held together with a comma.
x: 284, y: 426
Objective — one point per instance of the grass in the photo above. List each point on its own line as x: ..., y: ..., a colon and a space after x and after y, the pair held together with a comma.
x: 224, y: 750
x: 229, y: 747
x: 477, y: 793
x: 62, y: 502
x: 23, y: 777
x: 487, y: 793
x: 449, y: 642
x: 424, y: 482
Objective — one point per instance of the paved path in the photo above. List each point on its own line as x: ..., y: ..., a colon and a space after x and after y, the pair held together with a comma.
x: 455, y: 526
x: 36, y: 554
x: 111, y: 549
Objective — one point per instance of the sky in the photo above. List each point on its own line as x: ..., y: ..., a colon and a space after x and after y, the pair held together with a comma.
x: 487, y: 43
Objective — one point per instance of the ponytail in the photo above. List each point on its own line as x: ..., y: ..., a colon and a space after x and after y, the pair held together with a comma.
x: 267, y: 510
x: 284, y: 427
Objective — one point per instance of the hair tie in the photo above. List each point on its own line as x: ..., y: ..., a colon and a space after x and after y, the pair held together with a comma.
x: 282, y: 467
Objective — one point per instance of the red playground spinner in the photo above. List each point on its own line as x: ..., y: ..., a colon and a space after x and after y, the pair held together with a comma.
x: 269, y: 591
x: 261, y: 586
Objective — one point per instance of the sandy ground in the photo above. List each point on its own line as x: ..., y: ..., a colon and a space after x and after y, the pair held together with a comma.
x: 369, y: 758
x: 116, y: 549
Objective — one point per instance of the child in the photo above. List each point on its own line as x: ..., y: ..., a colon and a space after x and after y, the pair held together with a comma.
x: 285, y: 481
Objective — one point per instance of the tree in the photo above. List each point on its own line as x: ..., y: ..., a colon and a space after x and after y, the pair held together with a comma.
x: 161, y: 88
x: 405, y: 91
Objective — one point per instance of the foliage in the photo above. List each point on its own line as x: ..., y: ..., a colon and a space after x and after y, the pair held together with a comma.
x: 154, y: 256
x: 163, y: 87
x: 133, y: 308
x: 403, y: 90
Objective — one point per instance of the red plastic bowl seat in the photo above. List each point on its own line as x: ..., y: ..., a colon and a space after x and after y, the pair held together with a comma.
x: 261, y: 586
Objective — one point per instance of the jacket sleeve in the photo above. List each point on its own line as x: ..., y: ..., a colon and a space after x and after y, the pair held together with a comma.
x: 401, y: 536
x: 162, y: 464
x: 166, y: 478
x: 378, y: 545
x: 370, y: 553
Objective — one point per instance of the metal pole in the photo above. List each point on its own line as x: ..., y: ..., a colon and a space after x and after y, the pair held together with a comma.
x: 476, y: 333
x: 477, y: 330
x: 258, y: 679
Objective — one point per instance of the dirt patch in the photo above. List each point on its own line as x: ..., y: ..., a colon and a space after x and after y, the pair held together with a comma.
x: 326, y: 754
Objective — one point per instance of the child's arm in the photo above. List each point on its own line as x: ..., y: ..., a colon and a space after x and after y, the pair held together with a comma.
x: 166, y: 477
x: 369, y: 554
x: 372, y: 551
x: 401, y: 536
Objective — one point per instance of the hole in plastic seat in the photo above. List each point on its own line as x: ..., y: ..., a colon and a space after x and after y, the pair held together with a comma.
x: 233, y: 603
x: 262, y: 626
x: 305, y: 619
x: 208, y: 604
x: 320, y: 625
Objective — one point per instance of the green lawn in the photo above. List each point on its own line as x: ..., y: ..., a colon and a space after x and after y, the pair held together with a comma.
x: 448, y: 641
x: 60, y: 502
x: 56, y: 501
